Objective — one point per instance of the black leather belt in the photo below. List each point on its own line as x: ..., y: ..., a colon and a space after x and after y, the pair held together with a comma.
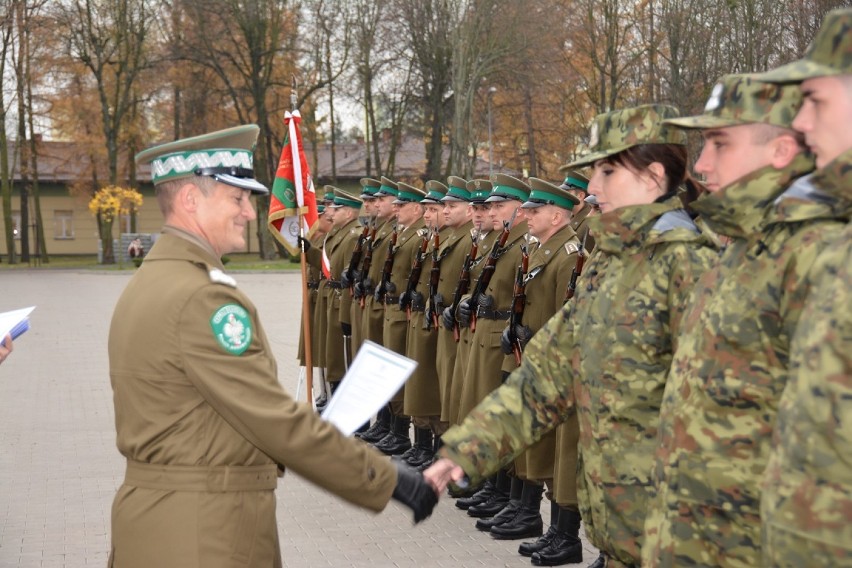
x: 334, y: 284
x: 313, y: 285
x: 391, y: 300
x: 418, y: 306
x: 487, y: 313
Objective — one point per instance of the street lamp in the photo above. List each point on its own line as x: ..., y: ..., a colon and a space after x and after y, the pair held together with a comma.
x: 491, y: 91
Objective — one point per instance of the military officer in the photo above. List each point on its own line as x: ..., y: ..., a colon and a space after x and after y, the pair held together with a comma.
x: 577, y: 185
x: 200, y: 415
x: 422, y: 401
x: 806, y: 495
x: 730, y: 363
x: 550, y: 264
x: 397, y: 267
x: 489, y: 306
x: 628, y: 299
x: 369, y: 187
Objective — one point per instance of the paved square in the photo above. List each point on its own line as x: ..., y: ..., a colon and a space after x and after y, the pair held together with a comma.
x: 59, y: 467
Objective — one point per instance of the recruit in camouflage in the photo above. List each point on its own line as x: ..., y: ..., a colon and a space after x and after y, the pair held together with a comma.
x: 605, y: 356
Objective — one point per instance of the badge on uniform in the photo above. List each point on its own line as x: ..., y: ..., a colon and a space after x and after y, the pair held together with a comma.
x: 231, y: 326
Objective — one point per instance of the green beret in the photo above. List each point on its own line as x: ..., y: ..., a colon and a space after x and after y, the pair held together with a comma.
x: 506, y: 188
x: 225, y: 155
x: 743, y: 99
x: 830, y: 53
x: 616, y: 131
x: 545, y: 193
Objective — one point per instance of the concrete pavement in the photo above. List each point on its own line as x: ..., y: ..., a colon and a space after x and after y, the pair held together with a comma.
x: 59, y: 467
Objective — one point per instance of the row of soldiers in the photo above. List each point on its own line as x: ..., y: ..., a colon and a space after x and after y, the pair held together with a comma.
x: 458, y: 278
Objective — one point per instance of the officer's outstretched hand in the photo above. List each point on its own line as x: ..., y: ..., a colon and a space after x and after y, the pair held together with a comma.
x: 464, y: 312
x: 447, y: 318
x: 414, y: 492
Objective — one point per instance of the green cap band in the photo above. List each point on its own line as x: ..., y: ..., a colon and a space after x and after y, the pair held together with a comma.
x: 582, y: 184
x: 460, y: 192
x: 179, y: 164
x: 388, y: 190
x: 537, y: 196
x: 345, y: 202
x: 509, y: 191
x: 408, y: 196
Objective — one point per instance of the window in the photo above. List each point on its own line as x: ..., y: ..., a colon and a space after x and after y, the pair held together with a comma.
x: 16, y: 225
x: 63, y: 224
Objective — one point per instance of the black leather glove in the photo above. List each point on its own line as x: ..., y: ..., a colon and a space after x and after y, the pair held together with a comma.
x: 347, y: 329
x: 403, y: 300
x: 448, y: 319
x: 345, y: 279
x: 412, y: 491
x: 358, y: 290
x: 506, y: 341
x: 464, y: 313
x: 304, y: 244
x: 524, y: 334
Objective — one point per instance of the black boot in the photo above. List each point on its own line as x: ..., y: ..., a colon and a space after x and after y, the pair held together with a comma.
x: 527, y: 548
x: 499, y: 498
x: 565, y: 548
x: 527, y: 522
x: 508, y: 512
x: 397, y: 440
x: 480, y: 496
x: 379, y: 429
x: 423, y: 450
x: 600, y: 561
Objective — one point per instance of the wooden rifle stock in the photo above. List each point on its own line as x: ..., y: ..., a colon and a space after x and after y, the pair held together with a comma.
x: 519, y: 303
x: 578, y: 268
x: 414, y: 275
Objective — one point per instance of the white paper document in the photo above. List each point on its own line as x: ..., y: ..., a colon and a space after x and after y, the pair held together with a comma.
x: 15, y: 322
x: 373, y: 378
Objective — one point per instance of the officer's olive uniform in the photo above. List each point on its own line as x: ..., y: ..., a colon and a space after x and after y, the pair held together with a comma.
x: 372, y: 324
x: 422, y: 395
x: 339, y: 251
x: 314, y: 277
x: 453, y: 251
x: 203, y: 421
x: 487, y: 362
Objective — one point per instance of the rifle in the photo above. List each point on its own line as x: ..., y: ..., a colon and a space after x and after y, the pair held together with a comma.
x: 387, y: 269
x: 414, y: 276
x: 368, y: 259
x: 356, y: 258
x: 519, y: 300
x: 578, y: 268
x: 464, y: 280
x: 488, y: 270
x: 430, y: 319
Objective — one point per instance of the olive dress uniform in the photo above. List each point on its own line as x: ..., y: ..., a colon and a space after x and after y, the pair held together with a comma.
x: 205, y: 425
x: 339, y: 251
x: 314, y: 277
x: 314, y: 259
x: 373, y: 313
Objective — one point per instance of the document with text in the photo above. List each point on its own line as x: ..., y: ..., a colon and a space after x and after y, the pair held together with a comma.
x: 374, y: 377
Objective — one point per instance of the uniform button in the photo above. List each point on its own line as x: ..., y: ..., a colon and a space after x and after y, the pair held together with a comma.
x: 371, y: 474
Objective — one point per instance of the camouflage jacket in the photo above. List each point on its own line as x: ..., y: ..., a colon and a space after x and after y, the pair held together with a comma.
x: 730, y: 368
x: 605, y: 355
x: 806, y: 502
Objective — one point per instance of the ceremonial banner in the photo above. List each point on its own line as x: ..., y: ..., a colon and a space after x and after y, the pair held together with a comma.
x: 292, y: 190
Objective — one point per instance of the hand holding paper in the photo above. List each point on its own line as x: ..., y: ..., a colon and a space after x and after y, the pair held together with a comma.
x: 15, y: 323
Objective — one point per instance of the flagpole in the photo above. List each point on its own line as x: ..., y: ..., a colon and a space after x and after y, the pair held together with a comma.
x: 306, y: 303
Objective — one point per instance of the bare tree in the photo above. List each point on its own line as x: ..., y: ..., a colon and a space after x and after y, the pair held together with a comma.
x: 7, y: 21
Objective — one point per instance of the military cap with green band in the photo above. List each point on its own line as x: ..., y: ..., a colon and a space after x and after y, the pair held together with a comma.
x: 388, y: 187
x: 616, y: 131
x: 507, y: 188
x: 479, y: 190
x: 744, y: 99
x: 320, y: 209
x: 575, y: 180
x: 328, y: 194
x: 457, y: 190
x: 830, y: 53
x: 408, y: 194
x: 225, y: 155
x: 343, y: 199
x: 435, y: 191
x: 545, y: 193
x: 369, y: 188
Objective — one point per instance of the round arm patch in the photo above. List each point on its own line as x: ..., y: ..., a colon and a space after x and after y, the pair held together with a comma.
x: 231, y: 326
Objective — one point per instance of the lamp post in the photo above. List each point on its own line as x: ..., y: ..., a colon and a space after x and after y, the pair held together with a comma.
x: 491, y: 91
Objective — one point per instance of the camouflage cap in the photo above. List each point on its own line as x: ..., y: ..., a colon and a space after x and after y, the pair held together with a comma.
x: 616, y: 131
x: 369, y: 188
x: 479, y: 190
x: 743, y: 99
x: 225, y: 155
x: 830, y: 53
x: 435, y: 192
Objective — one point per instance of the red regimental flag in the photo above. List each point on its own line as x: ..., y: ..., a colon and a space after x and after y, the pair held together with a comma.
x: 293, y: 190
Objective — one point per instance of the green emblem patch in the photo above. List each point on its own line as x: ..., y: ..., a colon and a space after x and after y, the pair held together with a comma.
x: 232, y: 328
